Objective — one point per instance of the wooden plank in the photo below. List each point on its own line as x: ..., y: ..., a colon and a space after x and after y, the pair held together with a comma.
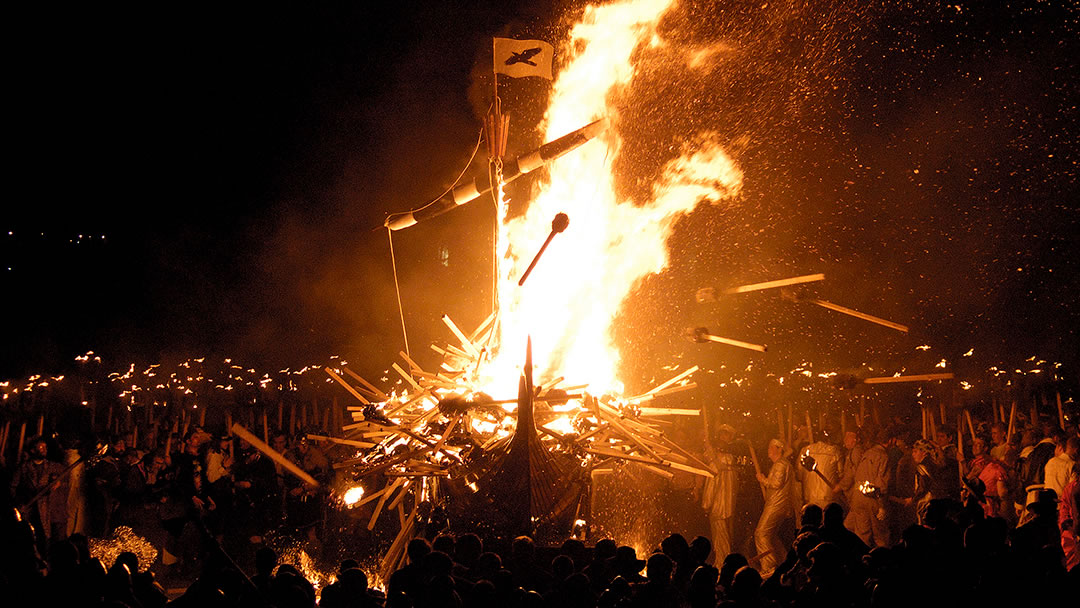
x: 341, y: 381
x: 273, y: 454
x: 806, y: 278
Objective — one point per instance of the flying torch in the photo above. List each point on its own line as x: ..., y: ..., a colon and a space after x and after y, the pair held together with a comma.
x: 559, y: 224
x: 702, y: 335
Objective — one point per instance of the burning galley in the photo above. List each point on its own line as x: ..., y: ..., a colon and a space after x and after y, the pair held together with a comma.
x: 458, y: 447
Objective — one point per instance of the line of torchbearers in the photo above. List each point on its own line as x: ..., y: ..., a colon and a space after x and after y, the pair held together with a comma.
x: 177, y: 494
x: 887, y: 478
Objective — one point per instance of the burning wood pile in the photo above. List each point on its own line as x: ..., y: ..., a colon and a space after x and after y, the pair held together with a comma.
x: 507, y: 466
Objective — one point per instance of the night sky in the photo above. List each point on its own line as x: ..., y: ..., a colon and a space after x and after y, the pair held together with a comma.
x: 202, y: 179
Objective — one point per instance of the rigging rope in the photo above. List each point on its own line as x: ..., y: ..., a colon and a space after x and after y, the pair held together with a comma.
x: 397, y: 289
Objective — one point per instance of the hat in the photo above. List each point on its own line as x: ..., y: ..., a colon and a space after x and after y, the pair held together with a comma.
x: 977, y: 488
x: 626, y: 560
x: 1045, y: 502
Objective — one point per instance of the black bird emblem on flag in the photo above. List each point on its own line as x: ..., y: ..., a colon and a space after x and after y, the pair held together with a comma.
x: 523, y: 57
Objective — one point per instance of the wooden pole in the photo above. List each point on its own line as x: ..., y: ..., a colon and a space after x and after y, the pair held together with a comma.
x: 202, y: 416
x: 757, y: 466
x: 273, y: 454
x: 809, y: 428
x: 790, y: 425
x: 1061, y: 411
x: 1034, y: 413
x: 1012, y: 420
x: 971, y: 426
x: 959, y: 436
x: 3, y: 442
x: 862, y: 411
x: 280, y: 414
x: 941, y: 411
x: 292, y: 418
x: 266, y: 427
x: 933, y: 423
x: 22, y: 438
x: 924, y: 425
x: 41, y: 422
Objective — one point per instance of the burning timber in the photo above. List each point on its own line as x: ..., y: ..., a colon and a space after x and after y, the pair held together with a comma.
x: 443, y: 453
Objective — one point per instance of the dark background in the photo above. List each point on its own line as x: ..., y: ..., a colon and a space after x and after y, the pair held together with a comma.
x: 189, y: 180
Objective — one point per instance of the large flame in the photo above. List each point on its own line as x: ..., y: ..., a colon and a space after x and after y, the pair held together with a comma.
x: 570, y: 301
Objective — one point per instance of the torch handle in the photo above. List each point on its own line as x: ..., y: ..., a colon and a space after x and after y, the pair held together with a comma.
x: 536, y: 259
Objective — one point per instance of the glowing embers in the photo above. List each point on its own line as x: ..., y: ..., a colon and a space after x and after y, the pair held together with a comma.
x: 123, y: 539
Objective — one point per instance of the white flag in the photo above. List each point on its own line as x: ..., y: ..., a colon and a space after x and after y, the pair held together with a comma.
x: 520, y: 58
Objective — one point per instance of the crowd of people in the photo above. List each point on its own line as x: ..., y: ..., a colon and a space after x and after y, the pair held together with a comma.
x: 875, y: 516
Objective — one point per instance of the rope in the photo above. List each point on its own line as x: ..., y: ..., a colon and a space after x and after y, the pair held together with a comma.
x: 397, y: 290
x: 479, y: 140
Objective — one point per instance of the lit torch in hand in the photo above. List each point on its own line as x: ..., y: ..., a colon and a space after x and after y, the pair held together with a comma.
x: 807, y: 461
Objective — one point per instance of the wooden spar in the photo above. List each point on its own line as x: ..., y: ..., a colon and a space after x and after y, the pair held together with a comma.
x: 412, y: 364
x: 202, y: 416
x: 22, y: 439
x: 408, y: 377
x: 809, y: 428
x: 790, y: 423
x: 971, y: 427
x: 858, y: 315
x: 342, y: 382
x: 280, y: 414
x: 667, y: 411
x: 739, y: 343
x: 1061, y: 411
x: 382, y: 501
x: 757, y: 466
x: 630, y: 435
x: 292, y: 418
x: 933, y: 425
x: 369, y: 386
x: 960, y: 435
x: 396, y: 504
x: 672, y: 381
x: 941, y: 410
x: 41, y: 421
x: 3, y: 442
x: 446, y: 434
x: 667, y: 391
x: 266, y: 428
x: 862, y: 410
x: 924, y: 425
x: 469, y: 346
x: 273, y: 454
x: 480, y: 330
x: 349, y: 442
x: 806, y: 278
x: 912, y: 378
x: 779, y: 422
